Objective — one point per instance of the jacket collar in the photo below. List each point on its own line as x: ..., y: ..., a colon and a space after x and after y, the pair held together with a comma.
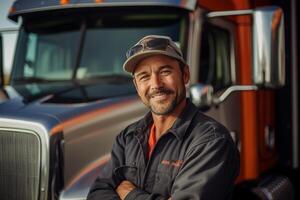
x: 184, y: 120
x: 180, y: 126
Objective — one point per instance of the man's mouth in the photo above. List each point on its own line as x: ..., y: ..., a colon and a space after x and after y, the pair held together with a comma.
x: 161, y: 94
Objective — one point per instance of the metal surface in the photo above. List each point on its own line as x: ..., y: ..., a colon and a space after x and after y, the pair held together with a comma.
x: 8, y: 30
x: 202, y: 95
x: 295, y: 85
x: 21, y: 7
x: 20, y: 165
x: 274, y: 187
x: 17, y: 136
x: 89, y: 128
x: 193, y: 50
x: 89, y: 131
x: 198, y: 20
x: 268, y: 44
x: 225, y: 111
x: 232, y: 89
x: 268, y: 47
x: 269, y: 137
x: 91, y: 140
x: 1, y: 62
x: 229, y: 13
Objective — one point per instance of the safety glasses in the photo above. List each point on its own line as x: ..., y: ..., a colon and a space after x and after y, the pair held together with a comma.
x: 152, y: 44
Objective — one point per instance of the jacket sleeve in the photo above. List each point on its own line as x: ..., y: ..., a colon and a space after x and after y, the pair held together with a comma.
x: 104, y: 186
x: 208, y: 171
x: 139, y: 194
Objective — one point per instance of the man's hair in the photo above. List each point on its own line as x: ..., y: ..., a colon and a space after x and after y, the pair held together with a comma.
x: 182, y: 66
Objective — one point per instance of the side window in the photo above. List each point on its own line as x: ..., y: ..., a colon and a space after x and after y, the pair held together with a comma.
x: 215, y: 65
x: 9, y: 43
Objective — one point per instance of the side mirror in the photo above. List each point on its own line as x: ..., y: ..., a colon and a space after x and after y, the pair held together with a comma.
x: 268, y: 57
x: 1, y: 63
x: 203, y: 95
x: 268, y: 47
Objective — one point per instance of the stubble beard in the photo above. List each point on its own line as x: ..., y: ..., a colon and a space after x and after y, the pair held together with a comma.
x: 161, y: 108
x: 165, y: 107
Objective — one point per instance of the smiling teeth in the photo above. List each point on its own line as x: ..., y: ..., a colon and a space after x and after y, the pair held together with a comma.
x: 158, y: 95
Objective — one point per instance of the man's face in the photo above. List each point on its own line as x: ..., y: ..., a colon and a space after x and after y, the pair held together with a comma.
x: 160, y: 83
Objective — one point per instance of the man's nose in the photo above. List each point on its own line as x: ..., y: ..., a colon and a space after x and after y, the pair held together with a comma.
x: 156, y: 81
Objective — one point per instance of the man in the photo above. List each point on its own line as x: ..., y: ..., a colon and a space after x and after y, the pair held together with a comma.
x: 174, y: 152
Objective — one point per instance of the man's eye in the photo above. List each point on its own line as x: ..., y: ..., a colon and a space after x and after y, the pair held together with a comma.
x: 165, y: 72
x: 144, y: 78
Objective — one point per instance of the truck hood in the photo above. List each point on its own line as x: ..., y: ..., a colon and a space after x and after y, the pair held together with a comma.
x: 53, y: 103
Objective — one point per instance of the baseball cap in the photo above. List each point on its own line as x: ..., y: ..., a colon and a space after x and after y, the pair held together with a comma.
x: 151, y: 45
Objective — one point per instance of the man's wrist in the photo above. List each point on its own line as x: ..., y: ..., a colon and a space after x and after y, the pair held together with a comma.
x: 124, y: 188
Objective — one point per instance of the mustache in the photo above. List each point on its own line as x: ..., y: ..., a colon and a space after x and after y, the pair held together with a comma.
x: 161, y: 90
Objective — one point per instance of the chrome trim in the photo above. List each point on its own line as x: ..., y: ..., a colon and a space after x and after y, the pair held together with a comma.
x: 194, y: 44
x: 229, y: 13
x: 201, y: 95
x: 268, y: 44
x: 295, y: 85
x: 231, y: 89
x: 268, y: 47
x: 269, y: 137
x: 9, y: 30
x: 36, y: 193
x: 42, y: 133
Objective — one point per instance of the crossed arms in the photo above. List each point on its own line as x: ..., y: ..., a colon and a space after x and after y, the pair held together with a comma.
x: 208, y: 172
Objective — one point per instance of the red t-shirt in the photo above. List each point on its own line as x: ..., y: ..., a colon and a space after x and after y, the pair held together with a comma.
x: 151, y: 140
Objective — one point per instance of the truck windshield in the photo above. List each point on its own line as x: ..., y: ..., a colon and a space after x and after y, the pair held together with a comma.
x: 87, y: 47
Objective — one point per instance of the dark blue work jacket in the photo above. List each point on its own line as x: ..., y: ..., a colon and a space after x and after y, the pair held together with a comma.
x: 196, y: 159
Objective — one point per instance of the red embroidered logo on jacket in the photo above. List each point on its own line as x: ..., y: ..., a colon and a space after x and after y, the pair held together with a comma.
x: 173, y: 163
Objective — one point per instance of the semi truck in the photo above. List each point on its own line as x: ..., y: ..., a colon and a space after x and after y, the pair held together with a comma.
x: 68, y: 96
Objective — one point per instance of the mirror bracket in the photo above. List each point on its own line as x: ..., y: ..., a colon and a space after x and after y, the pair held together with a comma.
x: 203, y: 95
x: 231, y: 89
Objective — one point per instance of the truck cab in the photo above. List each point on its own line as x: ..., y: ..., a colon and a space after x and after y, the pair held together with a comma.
x: 68, y: 96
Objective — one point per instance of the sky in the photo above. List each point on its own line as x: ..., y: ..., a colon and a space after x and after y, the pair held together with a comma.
x: 4, y: 7
x: 9, y: 39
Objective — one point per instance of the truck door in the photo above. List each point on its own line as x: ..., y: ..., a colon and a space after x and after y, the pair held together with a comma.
x: 217, y: 68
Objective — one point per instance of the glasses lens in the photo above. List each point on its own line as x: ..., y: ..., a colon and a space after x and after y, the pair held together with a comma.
x: 135, y: 49
x: 158, y: 43
x: 161, y: 44
x: 152, y: 44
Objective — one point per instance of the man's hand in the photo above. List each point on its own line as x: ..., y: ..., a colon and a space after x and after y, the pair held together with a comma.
x: 124, y: 188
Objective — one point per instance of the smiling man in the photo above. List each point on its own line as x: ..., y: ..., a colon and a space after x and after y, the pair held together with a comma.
x: 175, y: 151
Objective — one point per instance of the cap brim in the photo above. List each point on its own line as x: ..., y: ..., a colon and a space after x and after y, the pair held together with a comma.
x: 132, y: 62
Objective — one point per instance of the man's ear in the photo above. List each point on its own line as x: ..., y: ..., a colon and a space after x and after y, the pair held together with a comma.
x: 186, y: 74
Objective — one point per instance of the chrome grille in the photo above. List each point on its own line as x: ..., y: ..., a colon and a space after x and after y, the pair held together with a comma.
x: 19, y: 165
